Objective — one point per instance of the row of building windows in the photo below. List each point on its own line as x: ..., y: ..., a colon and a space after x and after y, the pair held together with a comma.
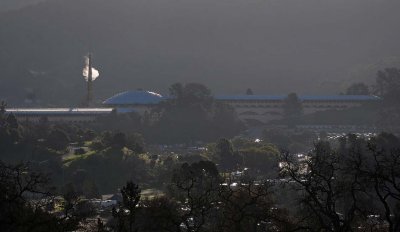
x: 257, y: 106
x: 72, y: 119
x: 280, y: 102
x: 325, y: 106
x: 255, y: 113
x: 280, y: 106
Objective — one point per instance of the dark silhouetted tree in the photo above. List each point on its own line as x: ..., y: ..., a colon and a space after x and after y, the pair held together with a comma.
x: 249, y: 206
x: 125, y: 214
x: 58, y: 140
x: 118, y: 140
x: 249, y: 91
x: 3, y: 107
x: 12, y: 121
x: 16, y: 211
x: 228, y: 160
x: 75, y: 209
x: 341, y: 187
x: 380, y: 167
x: 292, y: 109
x: 358, y: 89
x: 26, y: 200
x: 196, y: 186
x: 193, y: 115
x: 388, y: 87
x: 225, y: 120
x: 160, y: 214
x: 388, y: 83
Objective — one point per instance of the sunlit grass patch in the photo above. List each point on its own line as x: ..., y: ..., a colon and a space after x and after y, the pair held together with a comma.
x: 87, y: 143
x: 151, y: 193
x: 67, y: 160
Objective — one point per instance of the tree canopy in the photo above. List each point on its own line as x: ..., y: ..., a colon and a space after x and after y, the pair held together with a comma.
x: 388, y: 87
x: 193, y: 115
x: 292, y: 108
x: 358, y: 89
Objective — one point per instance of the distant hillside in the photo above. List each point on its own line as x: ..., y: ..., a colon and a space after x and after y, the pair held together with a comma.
x: 7, y: 5
x: 273, y: 47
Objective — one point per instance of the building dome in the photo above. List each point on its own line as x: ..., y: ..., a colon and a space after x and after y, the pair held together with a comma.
x: 134, y: 98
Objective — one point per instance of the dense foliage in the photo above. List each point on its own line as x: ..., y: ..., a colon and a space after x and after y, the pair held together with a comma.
x: 193, y: 115
x: 350, y: 184
x: 286, y: 180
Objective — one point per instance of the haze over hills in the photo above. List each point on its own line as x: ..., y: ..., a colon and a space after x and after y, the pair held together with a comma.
x: 271, y: 46
x: 7, y: 5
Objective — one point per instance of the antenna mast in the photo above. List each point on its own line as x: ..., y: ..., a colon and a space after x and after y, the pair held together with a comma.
x: 89, y: 97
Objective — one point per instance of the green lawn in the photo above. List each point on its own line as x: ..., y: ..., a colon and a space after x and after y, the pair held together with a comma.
x: 68, y: 159
x: 151, y: 193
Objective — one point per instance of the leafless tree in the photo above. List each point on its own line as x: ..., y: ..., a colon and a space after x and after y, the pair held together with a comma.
x: 24, y: 197
x: 250, y: 206
x: 383, y: 175
x: 331, y: 196
x: 197, y: 188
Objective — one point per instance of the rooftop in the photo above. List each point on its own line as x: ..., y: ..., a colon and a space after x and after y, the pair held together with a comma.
x: 149, y: 98
x: 134, y: 97
x: 58, y: 111
x: 303, y: 97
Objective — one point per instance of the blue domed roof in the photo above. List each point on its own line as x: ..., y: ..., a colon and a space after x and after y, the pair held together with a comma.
x: 134, y: 98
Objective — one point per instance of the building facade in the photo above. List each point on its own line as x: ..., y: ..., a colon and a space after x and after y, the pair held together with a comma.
x: 249, y: 108
x: 71, y: 115
x: 256, y: 108
x: 264, y: 108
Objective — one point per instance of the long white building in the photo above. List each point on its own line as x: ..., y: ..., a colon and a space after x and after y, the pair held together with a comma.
x: 71, y: 115
x: 249, y: 108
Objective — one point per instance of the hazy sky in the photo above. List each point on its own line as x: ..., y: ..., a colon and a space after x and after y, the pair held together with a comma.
x: 272, y: 46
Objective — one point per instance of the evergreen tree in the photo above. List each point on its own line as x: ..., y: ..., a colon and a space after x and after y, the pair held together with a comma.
x: 12, y: 121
